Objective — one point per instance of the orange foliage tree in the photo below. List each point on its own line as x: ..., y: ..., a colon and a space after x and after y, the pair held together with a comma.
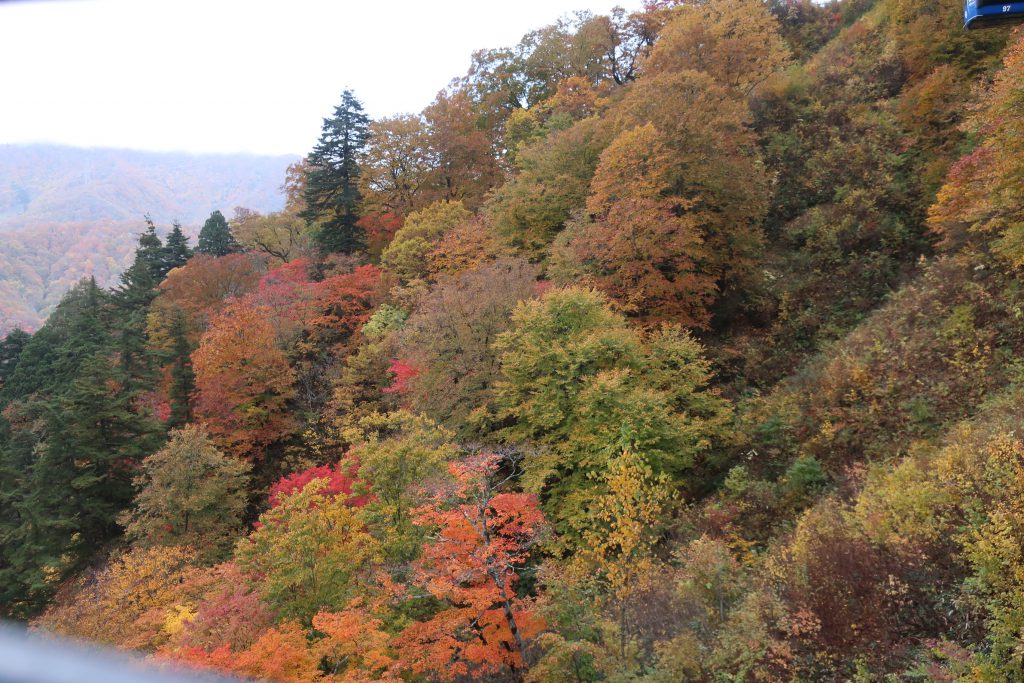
x: 464, y: 166
x: 281, y: 654
x: 380, y: 228
x: 200, y: 289
x: 243, y: 382
x: 343, y: 303
x: 642, y: 254
x: 327, y: 312
x: 357, y: 645
x: 465, y: 247
x: 689, y: 140
x: 644, y: 244
x: 473, y: 565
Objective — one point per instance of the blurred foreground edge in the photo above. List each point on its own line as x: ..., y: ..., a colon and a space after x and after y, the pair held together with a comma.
x: 36, y: 658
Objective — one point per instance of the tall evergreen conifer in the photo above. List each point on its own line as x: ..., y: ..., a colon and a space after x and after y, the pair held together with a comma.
x: 11, y: 347
x: 176, y: 250
x: 67, y: 462
x: 183, y: 379
x: 332, y: 179
x: 133, y: 296
x: 215, y: 238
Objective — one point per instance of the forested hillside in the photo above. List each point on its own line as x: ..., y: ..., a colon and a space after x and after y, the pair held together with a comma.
x: 675, y: 345
x: 68, y: 213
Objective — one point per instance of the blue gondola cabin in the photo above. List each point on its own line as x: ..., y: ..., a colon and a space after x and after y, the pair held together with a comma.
x: 988, y: 13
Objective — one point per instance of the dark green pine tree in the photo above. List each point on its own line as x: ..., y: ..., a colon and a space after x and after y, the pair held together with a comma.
x: 183, y: 379
x: 18, y: 540
x: 134, y: 294
x: 95, y: 434
x: 47, y: 365
x: 11, y: 347
x: 176, y: 250
x: 81, y: 478
x: 22, y: 583
x: 139, y: 281
x: 332, y: 179
x: 68, y: 456
x: 215, y: 239
x: 151, y: 250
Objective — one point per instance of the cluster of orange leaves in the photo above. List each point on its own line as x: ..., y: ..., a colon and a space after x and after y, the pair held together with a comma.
x: 244, y: 381
x: 471, y: 565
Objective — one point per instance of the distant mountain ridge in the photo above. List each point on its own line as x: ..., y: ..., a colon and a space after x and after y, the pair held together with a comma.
x: 50, y: 183
x: 66, y: 212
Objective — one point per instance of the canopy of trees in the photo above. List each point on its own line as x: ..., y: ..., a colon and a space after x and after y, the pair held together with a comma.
x: 680, y: 344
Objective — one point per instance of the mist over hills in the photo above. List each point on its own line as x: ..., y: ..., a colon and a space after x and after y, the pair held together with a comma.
x: 51, y: 183
x: 66, y: 212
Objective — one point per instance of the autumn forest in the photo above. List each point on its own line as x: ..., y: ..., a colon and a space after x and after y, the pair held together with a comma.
x: 682, y: 344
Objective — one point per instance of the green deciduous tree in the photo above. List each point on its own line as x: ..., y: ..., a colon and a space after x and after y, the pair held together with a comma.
x: 584, y: 386
x: 189, y: 494
x: 309, y: 553
x: 406, y: 256
x: 553, y: 181
x: 398, y: 454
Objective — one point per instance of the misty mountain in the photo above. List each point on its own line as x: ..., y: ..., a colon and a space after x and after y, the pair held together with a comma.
x: 54, y: 184
x: 67, y: 213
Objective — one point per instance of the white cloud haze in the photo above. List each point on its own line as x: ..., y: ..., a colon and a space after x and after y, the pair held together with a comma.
x: 235, y: 75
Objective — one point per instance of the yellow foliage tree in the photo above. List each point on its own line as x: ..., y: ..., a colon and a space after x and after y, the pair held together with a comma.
x: 983, y: 193
x: 105, y: 607
x: 618, y: 552
x: 308, y: 553
x: 638, y: 164
x: 737, y: 42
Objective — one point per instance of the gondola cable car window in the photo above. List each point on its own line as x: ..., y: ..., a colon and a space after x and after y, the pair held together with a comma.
x: 992, y: 13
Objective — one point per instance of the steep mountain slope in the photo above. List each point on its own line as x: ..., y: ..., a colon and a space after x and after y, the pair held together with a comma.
x: 683, y: 345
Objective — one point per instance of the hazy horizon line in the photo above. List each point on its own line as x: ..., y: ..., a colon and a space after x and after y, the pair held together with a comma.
x: 153, y: 150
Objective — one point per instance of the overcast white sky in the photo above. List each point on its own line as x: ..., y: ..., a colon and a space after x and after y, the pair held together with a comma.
x: 236, y: 75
